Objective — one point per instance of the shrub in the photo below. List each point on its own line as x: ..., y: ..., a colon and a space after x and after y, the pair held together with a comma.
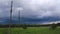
x: 24, y: 26
x: 53, y: 26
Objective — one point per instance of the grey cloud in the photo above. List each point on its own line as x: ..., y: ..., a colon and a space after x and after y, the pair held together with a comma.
x: 42, y: 9
x: 31, y: 8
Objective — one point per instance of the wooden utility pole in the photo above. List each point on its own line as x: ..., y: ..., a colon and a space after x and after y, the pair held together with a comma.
x: 18, y: 21
x: 19, y: 17
x: 10, y: 17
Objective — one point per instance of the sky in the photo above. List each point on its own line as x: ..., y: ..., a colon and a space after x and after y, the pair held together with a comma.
x: 32, y: 10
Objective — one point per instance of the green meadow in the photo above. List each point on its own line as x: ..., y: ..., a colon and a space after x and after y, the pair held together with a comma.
x: 30, y: 30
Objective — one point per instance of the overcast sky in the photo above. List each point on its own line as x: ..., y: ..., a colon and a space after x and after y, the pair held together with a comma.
x: 31, y: 8
x: 41, y: 8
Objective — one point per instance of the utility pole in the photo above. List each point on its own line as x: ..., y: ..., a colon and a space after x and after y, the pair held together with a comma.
x: 19, y: 9
x: 18, y: 21
x: 19, y: 17
x: 10, y: 17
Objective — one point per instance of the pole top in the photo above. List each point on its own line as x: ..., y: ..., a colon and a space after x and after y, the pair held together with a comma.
x: 11, y: 1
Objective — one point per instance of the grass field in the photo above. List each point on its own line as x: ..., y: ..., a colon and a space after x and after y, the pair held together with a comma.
x: 30, y: 30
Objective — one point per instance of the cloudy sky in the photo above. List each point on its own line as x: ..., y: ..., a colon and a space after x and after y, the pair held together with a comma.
x: 32, y: 10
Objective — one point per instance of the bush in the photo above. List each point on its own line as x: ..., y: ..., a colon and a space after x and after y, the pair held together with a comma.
x: 53, y: 26
x: 24, y: 26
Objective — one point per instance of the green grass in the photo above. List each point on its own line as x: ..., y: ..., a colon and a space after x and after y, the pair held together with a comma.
x: 30, y: 30
x: 3, y: 30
